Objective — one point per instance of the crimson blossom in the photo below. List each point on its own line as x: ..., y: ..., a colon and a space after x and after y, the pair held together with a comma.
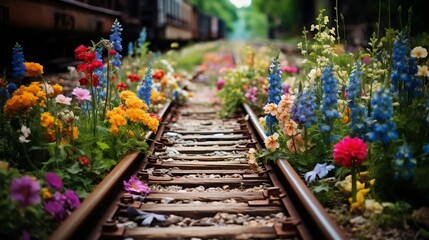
x: 350, y: 152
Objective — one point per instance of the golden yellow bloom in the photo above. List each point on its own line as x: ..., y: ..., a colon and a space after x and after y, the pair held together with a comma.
x: 46, y: 120
x: 75, y: 132
x: 136, y: 115
x: 360, y: 200
x: 58, y: 89
x: 115, y: 111
x: 33, y: 69
x: 126, y: 94
x: 46, y: 194
x: 135, y: 102
x: 4, y: 165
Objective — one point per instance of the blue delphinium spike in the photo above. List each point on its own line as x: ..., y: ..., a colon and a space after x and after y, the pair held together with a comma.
x: 18, y: 62
x: 130, y: 49
x: 101, y: 73
x: 329, y: 104
x: 404, y: 163
x: 275, y: 90
x: 382, y: 128
x: 304, y: 108
x: 358, y: 115
x: 116, y: 41
x: 403, y: 79
x: 142, y: 38
x: 145, y: 89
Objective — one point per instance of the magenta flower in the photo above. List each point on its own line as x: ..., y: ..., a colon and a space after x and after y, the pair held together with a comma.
x: 72, y: 199
x: 251, y: 94
x: 290, y: 69
x: 81, y: 94
x: 350, y: 151
x: 136, y: 186
x: 25, y: 191
x: 220, y: 84
x: 53, y: 181
x: 57, y: 209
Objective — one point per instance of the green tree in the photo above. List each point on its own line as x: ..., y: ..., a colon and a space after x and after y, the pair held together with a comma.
x: 220, y: 8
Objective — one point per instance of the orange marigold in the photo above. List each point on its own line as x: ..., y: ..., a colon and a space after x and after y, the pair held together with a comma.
x: 46, y: 119
x: 58, y: 89
x: 33, y: 69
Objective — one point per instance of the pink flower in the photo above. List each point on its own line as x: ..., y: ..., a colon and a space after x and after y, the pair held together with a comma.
x: 81, y: 94
x: 220, y: 84
x: 350, y: 152
x: 63, y: 99
x: 136, y: 186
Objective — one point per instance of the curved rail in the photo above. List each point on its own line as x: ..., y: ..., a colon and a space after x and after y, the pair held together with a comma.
x: 82, y: 219
x: 321, y: 219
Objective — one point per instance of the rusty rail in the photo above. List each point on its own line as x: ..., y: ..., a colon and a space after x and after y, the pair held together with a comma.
x: 320, y: 219
x: 90, y: 210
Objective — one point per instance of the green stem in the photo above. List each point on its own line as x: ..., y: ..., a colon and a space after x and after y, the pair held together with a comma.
x: 354, y: 181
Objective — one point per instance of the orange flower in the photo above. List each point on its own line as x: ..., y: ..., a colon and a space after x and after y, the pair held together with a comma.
x: 33, y: 69
x: 46, y: 120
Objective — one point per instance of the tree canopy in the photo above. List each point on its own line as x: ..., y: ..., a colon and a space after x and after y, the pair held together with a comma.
x: 223, y: 9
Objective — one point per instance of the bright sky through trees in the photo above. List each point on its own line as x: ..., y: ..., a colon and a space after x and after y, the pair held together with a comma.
x: 240, y: 3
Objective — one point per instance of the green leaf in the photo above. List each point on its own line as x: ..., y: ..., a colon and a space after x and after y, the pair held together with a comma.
x: 103, y: 145
x: 321, y: 188
x: 74, y: 169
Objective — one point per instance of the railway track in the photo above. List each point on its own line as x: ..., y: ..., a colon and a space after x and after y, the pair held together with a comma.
x: 201, y: 187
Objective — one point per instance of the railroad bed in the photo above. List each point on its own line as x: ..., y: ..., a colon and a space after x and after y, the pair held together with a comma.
x: 201, y: 187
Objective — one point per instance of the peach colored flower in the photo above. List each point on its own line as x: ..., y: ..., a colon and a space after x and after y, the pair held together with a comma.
x: 271, y: 142
x: 270, y: 108
x: 296, y: 144
x: 419, y: 52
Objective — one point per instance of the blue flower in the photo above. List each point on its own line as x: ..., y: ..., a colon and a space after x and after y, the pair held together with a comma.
x: 116, y: 41
x: 320, y: 170
x: 101, y: 73
x: 329, y: 102
x: 130, y: 49
x: 144, y: 91
x: 404, y: 68
x: 426, y: 149
x: 11, y: 88
x: 404, y: 163
x: 304, y: 107
x: 275, y: 91
x: 18, y: 61
x: 142, y: 38
x: 382, y: 128
x: 359, y: 120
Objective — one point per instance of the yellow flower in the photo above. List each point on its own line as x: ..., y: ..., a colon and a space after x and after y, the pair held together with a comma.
x: 57, y: 89
x: 46, y: 194
x: 46, y: 119
x: 130, y: 133
x: 33, y: 69
x: 4, y: 165
x: 346, y: 184
x: 126, y: 94
x: 360, y: 200
x: 136, y: 115
x: 135, y: 102
x: 75, y: 132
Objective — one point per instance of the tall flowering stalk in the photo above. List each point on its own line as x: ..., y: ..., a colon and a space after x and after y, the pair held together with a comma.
x: 404, y: 82
x: 275, y: 90
x: 329, y: 104
x: 382, y: 128
x: 358, y: 115
x: 404, y: 163
x: 18, y: 62
x: 144, y: 91
x: 351, y: 153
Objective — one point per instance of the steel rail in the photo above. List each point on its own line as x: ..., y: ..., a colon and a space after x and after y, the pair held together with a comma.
x: 80, y: 223
x: 321, y: 220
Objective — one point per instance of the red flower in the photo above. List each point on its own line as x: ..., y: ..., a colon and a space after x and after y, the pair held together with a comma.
x: 134, y: 77
x: 83, y: 81
x: 350, y: 150
x: 121, y: 86
x: 112, y: 52
x: 80, y: 52
x: 84, y: 161
x: 158, y: 74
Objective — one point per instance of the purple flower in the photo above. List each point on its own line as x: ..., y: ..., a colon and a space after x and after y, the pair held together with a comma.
x: 25, y: 191
x: 252, y: 94
x: 53, y: 181
x: 72, y: 199
x: 220, y: 84
x: 136, y: 186
x: 57, y: 209
x: 320, y: 170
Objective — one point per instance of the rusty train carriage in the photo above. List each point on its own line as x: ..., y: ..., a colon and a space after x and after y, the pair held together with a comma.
x: 61, y: 25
